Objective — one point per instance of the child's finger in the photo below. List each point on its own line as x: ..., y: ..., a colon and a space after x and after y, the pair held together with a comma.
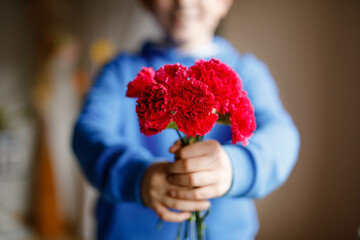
x: 175, y: 147
x: 201, y: 193
x: 170, y: 216
x: 196, y: 179
x: 195, y: 164
x: 185, y: 205
x: 207, y: 147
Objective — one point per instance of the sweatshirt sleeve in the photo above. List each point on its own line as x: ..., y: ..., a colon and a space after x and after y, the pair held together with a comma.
x: 111, y: 164
x: 266, y: 162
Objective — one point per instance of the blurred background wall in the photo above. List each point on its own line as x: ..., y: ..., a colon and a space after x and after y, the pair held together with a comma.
x: 51, y: 49
x: 313, y: 51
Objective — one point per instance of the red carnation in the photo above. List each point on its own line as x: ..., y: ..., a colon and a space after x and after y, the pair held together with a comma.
x: 242, y: 120
x: 193, y: 103
x: 223, y: 81
x: 143, y: 79
x: 171, y: 73
x: 153, y: 109
x: 188, y: 97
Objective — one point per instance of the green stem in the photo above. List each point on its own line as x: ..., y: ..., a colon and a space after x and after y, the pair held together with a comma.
x: 181, y: 138
x: 187, y: 229
x: 195, y: 226
x: 206, y: 214
x: 178, y: 235
x: 192, y: 226
x: 186, y: 140
x: 159, y: 224
x: 198, y: 225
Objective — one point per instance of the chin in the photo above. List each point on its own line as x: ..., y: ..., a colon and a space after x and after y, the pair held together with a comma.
x: 183, y: 37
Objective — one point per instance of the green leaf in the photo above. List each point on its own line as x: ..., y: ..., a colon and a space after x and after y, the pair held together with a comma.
x: 206, y: 214
x: 172, y: 125
x: 224, y: 119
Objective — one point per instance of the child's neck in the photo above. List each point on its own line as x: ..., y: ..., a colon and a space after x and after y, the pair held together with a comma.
x: 195, y: 44
x: 192, y: 44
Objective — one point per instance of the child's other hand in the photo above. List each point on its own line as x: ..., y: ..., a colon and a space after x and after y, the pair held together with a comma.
x: 203, y: 169
x: 155, y: 194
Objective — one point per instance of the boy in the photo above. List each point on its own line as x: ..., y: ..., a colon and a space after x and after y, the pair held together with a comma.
x: 137, y: 183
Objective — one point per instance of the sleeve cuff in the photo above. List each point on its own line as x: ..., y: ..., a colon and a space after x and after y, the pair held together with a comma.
x: 139, y: 177
x: 243, y: 170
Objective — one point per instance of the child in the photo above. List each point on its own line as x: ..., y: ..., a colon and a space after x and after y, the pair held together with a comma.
x: 137, y: 183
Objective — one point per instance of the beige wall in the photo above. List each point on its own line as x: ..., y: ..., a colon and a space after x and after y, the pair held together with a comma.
x: 313, y: 51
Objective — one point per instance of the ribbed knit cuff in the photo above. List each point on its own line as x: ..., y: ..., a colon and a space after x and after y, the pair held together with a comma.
x: 140, y: 176
x: 243, y: 170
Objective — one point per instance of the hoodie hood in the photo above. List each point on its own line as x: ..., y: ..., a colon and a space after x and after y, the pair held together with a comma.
x: 219, y: 48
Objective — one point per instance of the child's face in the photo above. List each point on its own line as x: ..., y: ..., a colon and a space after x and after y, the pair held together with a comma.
x: 188, y: 21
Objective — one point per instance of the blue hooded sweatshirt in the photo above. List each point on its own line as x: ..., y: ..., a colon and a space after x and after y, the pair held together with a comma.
x: 114, y: 154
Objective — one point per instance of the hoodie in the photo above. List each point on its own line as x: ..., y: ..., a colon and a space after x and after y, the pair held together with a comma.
x: 114, y: 155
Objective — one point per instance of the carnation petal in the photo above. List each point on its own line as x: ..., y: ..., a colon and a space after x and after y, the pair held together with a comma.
x: 242, y: 120
x: 193, y: 104
x: 170, y: 72
x: 153, y: 109
x: 199, y: 127
x: 141, y: 81
x: 223, y: 81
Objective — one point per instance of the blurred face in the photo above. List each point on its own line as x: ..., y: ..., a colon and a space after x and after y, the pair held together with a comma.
x: 189, y: 22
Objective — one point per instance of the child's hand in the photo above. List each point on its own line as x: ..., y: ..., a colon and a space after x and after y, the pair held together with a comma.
x: 203, y: 168
x: 155, y: 194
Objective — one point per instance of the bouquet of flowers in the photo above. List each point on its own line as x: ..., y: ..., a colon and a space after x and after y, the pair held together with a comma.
x: 191, y: 101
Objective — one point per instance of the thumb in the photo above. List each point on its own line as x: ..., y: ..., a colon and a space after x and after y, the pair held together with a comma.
x: 175, y: 147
